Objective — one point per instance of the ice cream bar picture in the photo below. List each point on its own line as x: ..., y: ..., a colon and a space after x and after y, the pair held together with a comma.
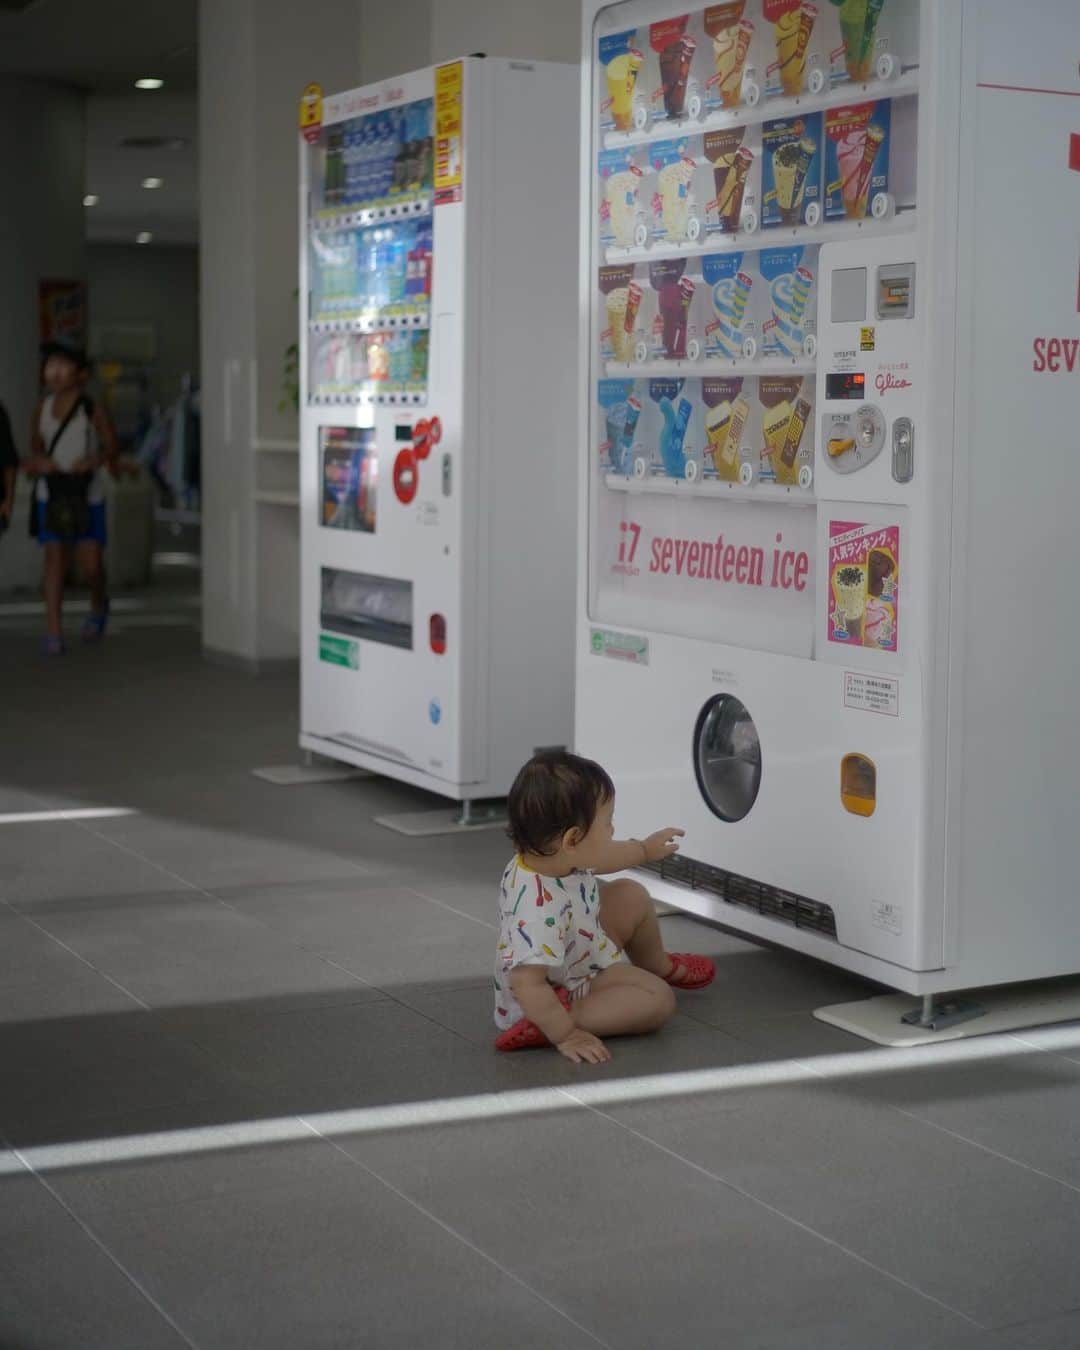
x: 795, y: 429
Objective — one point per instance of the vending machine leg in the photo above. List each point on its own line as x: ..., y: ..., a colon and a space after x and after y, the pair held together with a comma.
x: 940, y: 1011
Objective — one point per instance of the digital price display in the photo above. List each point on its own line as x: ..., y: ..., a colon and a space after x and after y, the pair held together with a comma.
x: 845, y: 384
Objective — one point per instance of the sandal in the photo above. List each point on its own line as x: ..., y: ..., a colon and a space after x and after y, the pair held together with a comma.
x: 526, y: 1035
x: 52, y: 645
x: 689, y: 971
x: 93, y: 629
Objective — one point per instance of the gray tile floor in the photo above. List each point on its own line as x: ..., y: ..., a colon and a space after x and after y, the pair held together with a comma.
x: 248, y: 1095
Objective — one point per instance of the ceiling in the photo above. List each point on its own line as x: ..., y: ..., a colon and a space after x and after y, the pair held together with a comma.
x: 102, y: 47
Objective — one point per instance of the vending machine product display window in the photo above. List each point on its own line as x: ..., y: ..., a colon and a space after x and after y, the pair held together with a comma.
x: 811, y: 324
x: 437, y: 423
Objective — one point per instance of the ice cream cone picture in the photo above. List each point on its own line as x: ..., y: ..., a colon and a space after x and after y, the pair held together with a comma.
x: 622, y: 73
x: 621, y: 341
x: 790, y: 165
x: 730, y: 49
x: 730, y: 176
x: 674, y: 191
x: 858, y: 30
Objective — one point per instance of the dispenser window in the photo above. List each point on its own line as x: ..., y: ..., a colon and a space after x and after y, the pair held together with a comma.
x: 727, y: 757
x: 896, y: 291
x: 858, y: 785
x: 849, y: 295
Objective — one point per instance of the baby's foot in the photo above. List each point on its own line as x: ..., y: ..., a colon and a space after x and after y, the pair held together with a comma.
x: 689, y: 971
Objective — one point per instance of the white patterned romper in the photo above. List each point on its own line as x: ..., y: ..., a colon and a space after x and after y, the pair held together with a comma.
x: 553, y: 922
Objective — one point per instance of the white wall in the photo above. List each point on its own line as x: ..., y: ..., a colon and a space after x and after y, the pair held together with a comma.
x: 131, y: 284
x: 538, y: 30
x: 42, y: 151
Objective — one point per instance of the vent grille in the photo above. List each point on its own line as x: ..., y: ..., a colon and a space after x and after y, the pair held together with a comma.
x: 769, y: 901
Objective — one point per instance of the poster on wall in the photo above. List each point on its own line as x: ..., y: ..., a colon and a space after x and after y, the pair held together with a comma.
x: 62, y: 312
x: 864, y: 585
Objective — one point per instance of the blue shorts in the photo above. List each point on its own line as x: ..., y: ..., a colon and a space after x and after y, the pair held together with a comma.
x: 95, y: 534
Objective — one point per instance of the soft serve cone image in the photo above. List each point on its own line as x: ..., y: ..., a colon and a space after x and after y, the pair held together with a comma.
x: 730, y: 49
x: 622, y: 73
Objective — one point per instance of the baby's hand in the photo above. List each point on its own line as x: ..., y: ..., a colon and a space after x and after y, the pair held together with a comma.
x: 662, y: 844
x: 583, y: 1047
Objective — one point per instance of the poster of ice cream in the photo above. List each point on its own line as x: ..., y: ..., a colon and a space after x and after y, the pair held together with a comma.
x: 674, y: 94
x: 729, y: 31
x: 856, y: 158
x: 674, y: 330
x: 621, y: 57
x: 622, y: 204
x: 621, y: 297
x: 732, y: 162
x: 791, y: 170
x: 788, y: 299
x: 729, y: 281
x: 864, y: 585
x: 676, y: 213
x: 786, y: 441
x: 853, y: 37
x: 620, y: 414
x: 792, y: 24
x: 727, y: 416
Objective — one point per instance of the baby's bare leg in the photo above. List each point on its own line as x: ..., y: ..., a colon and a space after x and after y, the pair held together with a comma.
x: 624, y: 1001
x: 628, y: 915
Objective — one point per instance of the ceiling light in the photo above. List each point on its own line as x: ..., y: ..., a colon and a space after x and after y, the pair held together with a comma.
x: 91, y: 199
x: 143, y: 237
x: 153, y: 182
x: 150, y: 82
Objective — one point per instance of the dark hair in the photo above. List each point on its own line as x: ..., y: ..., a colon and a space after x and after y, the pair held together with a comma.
x: 553, y: 793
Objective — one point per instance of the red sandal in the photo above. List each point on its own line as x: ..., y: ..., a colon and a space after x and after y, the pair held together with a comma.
x: 526, y: 1035
x: 689, y: 971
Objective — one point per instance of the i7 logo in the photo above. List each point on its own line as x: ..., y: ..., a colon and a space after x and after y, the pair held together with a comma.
x: 627, y: 527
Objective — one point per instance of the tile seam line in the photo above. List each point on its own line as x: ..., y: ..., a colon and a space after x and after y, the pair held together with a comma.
x: 781, y: 1214
x: 962, y: 1138
x: 386, y: 996
x: 233, y: 909
x: 460, y: 1237
x: 109, y: 1255
x: 77, y: 955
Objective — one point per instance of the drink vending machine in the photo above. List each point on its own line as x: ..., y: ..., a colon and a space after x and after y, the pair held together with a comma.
x: 438, y: 379
x: 826, y: 609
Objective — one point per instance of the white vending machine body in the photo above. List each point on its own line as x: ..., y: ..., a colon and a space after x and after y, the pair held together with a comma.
x: 817, y: 458
x: 437, y: 416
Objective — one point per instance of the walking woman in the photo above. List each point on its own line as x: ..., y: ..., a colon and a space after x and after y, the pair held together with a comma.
x: 71, y: 442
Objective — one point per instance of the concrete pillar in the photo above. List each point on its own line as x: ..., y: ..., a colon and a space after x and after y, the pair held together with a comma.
x: 42, y: 165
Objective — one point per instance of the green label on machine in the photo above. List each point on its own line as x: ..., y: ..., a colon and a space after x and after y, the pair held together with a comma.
x: 339, y: 651
x: 620, y: 646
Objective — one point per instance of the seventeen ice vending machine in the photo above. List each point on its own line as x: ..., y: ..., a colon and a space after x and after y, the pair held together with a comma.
x: 438, y: 410
x: 827, y: 611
